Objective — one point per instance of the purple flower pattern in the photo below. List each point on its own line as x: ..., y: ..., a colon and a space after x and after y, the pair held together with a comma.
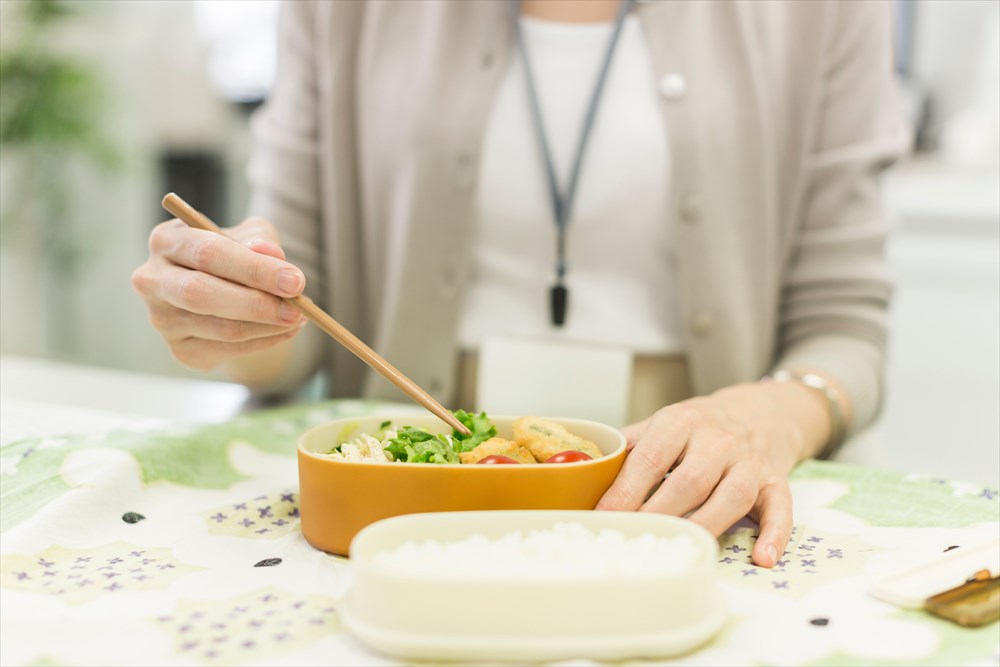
x: 248, y: 627
x: 264, y: 516
x: 79, y: 575
x: 811, y: 559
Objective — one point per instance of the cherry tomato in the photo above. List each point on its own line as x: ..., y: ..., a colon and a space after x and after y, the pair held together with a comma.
x: 570, y: 456
x: 496, y: 458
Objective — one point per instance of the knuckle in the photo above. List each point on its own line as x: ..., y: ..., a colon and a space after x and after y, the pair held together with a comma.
x: 264, y: 308
x: 232, y: 330
x: 205, y: 252
x: 258, y: 273
x: 649, y: 460
x: 157, y: 240
x: 778, y: 486
x: 684, y: 413
x: 729, y: 441
x: 182, y: 352
x: 193, y: 292
x: 189, y: 354
x: 141, y: 282
x: 159, y: 319
x: 743, y: 491
x: 692, y: 480
x: 161, y: 239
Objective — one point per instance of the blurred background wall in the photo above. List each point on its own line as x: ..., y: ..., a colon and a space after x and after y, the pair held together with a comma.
x: 165, y: 89
x: 158, y: 119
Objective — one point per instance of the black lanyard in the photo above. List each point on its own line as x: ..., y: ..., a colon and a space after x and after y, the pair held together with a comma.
x: 562, y: 204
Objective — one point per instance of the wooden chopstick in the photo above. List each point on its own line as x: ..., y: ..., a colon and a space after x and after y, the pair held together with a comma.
x: 317, y: 316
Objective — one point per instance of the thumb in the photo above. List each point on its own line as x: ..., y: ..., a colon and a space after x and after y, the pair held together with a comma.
x: 259, y: 235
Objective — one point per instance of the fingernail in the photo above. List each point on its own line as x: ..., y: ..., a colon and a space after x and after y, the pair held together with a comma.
x: 772, y: 553
x: 289, y: 281
x: 288, y: 313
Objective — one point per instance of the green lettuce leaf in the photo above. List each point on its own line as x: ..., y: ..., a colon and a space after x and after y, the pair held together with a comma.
x: 481, y: 427
x: 415, y: 445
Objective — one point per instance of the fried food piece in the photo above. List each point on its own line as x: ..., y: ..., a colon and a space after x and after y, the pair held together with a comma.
x: 545, y: 439
x: 497, y: 446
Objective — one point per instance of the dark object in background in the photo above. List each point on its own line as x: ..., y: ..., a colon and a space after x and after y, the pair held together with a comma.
x: 973, y: 604
x: 199, y: 177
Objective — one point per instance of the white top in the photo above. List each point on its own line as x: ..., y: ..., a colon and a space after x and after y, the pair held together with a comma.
x: 620, y: 275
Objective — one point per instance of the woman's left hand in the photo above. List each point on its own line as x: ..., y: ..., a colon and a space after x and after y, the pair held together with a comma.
x: 728, y: 455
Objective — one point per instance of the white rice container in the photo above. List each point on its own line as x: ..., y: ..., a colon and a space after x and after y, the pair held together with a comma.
x: 439, y: 611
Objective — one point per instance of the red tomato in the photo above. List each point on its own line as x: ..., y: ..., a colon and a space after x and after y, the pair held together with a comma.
x: 495, y: 458
x: 570, y: 456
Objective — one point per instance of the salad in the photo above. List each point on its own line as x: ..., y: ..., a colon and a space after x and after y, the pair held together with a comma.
x: 535, y: 440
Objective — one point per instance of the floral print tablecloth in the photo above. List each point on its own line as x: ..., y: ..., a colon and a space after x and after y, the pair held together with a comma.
x: 179, y: 545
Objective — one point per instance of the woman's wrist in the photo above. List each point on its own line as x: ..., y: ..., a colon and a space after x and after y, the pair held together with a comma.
x: 791, y: 418
x: 834, y: 398
x: 807, y: 410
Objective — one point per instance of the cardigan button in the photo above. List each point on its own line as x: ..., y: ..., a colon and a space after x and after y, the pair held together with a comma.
x: 450, y: 282
x: 673, y: 86
x: 702, y: 323
x: 463, y: 174
x: 690, y: 208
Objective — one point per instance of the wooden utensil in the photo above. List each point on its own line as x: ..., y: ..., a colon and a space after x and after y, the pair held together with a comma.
x: 318, y: 316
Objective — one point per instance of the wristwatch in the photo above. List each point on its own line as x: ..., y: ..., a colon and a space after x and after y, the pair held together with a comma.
x: 838, y: 425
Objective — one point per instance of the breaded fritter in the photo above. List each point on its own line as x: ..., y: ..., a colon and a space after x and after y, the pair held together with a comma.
x: 545, y: 439
x: 497, y: 446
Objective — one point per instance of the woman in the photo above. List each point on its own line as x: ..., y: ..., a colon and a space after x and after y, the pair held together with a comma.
x: 726, y: 212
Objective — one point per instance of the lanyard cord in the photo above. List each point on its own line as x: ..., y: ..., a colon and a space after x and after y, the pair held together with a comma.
x: 562, y: 205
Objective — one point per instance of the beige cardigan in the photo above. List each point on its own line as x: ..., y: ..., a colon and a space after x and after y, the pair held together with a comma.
x: 367, y: 153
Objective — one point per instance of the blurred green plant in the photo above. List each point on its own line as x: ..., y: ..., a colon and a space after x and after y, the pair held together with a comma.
x: 50, y: 110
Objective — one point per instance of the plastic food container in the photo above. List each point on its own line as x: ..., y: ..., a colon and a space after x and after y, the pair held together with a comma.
x: 438, y: 616
x: 339, y: 498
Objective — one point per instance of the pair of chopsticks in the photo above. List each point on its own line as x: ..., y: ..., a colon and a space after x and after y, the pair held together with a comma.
x: 317, y: 316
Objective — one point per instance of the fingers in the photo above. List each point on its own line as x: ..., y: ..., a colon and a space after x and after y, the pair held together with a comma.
x: 205, y: 355
x: 266, y: 248
x: 687, y: 487
x: 218, y: 255
x: 774, y: 507
x: 732, y: 499
x: 205, y: 294
x: 218, y: 296
x: 650, y: 459
x: 176, y: 324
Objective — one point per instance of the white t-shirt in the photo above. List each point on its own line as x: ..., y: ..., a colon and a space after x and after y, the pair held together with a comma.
x: 620, y: 269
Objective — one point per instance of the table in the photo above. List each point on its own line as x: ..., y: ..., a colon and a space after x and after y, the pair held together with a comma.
x: 154, y: 541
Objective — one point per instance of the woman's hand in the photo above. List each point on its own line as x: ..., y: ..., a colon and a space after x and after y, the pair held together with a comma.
x: 214, y: 298
x: 728, y: 455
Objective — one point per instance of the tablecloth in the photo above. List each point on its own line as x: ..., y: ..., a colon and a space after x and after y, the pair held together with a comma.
x: 180, y: 544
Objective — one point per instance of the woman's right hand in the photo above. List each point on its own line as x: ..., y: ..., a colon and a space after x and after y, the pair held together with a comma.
x: 217, y: 297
